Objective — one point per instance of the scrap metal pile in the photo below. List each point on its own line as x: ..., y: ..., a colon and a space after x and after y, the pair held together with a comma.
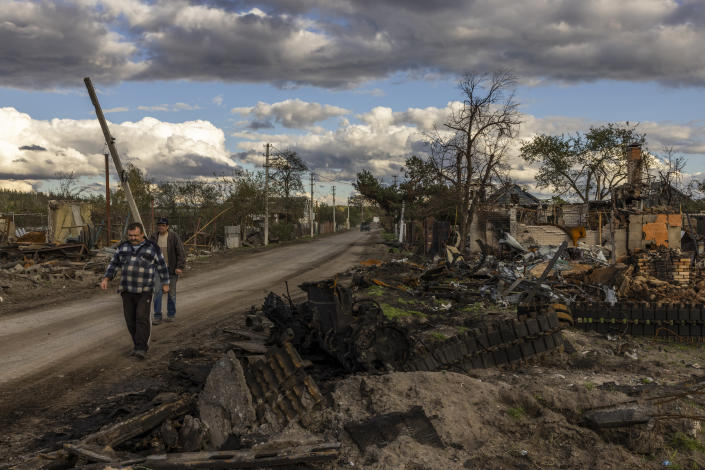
x: 361, y: 337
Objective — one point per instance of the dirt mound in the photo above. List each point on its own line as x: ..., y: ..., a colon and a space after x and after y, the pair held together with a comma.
x: 482, y: 422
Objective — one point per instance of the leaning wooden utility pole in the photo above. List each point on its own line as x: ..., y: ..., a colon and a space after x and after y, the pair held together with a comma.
x: 107, y: 201
x: 266, y: 194
x: 113, y: 151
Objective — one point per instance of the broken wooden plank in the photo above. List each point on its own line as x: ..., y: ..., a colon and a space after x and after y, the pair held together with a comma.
x: 136, y: 425
x: 44, y: 460
x: 252, y: 347
x: 246, y: 334
x: 123, y: 464
x: 228, y: 459
x: 91, y: 452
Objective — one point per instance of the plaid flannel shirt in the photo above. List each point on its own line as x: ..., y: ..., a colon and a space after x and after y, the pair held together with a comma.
x: 138, y: 265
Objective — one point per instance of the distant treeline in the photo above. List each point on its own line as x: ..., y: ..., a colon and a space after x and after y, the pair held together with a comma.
x: 20, y: 202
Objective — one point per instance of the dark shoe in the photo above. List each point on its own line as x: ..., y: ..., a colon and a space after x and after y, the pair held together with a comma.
x: 169, y: 319
x: 156, y: 321
x: 140, y: 354
x: 132, y: 353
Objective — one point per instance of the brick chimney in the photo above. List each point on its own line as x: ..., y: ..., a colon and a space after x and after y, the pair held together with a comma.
x: 634, y: 168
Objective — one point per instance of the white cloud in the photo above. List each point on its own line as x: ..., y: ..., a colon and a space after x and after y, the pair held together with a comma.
x: 292, y: 113
x: 23, y: 186
x: 383, y: 139
x: 170, y: 108
x: 157, y: 107
x: 218, y: 100
x: 54, y: 44
x: 379, y: 140
x: 36, y: 149
x: 185, y: 107
x: 343, y: 44
x: 119, y: 109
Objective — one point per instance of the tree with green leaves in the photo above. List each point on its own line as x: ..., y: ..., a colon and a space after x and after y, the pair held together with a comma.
x: 142, y: 188
x: 287, y: 171
x: 387, y: 197
x: 587, y: 166
x: 246, y: 194
x: 423, y: 193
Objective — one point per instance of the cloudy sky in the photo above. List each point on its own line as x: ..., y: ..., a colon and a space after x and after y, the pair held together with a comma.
x: 195, y: 88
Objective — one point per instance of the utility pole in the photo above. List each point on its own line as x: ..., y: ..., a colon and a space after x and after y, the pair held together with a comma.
x: 334, y: 228
x: 110, y: 141
x: 107, y: 200
x: 266, y: 194
x: 401, y: 223
x: 347, y: 221
x: 311, y: 206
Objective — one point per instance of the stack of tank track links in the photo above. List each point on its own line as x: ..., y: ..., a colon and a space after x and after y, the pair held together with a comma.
x: 681, y: 322
x: 500, y: 345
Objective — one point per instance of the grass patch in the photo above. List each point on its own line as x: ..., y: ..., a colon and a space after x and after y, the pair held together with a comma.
x: 438, y: 336
x: 589, y: 386
x: 375, y: 291
x: 462, y: 329
x: 682, y: 441
x: 475, y: 307
x: 392, y: 312
x: 404, y: 301
x: 516, y: 412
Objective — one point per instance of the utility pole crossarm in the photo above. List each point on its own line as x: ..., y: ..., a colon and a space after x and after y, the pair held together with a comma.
x: 113, y: 152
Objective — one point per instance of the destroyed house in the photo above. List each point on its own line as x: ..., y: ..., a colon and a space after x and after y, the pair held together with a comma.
x: 664, y: 194
x: 513, y: 194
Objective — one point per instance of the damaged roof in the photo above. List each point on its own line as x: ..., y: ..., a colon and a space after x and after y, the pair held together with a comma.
x: 513, y: 194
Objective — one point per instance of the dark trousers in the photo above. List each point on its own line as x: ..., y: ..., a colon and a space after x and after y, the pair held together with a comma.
x: 139, y: 324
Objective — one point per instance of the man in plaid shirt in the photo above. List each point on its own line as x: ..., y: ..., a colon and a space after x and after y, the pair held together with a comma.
x: 138, y: 258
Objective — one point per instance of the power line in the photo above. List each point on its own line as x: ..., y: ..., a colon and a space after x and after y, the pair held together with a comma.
x: 318, y: 175
x: 332, y: 180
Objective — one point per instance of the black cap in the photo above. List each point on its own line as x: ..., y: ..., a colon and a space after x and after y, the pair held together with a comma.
x: 163, y: 221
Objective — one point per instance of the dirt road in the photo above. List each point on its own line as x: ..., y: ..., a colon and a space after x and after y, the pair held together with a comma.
x: 60, y: 349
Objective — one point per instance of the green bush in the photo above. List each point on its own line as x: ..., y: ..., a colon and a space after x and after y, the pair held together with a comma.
x: 283, y: 232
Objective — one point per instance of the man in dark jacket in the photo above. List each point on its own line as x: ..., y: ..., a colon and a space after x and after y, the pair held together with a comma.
x: 143, y: 268
x: 175, y: 256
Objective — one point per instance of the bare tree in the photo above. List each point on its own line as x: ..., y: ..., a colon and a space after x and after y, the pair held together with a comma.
x: 69, y: 187
x: 669, y: 178
x: 469, y: 151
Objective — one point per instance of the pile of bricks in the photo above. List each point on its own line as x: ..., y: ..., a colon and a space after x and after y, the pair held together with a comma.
x: 666, y: 266
x: 682, y: 269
